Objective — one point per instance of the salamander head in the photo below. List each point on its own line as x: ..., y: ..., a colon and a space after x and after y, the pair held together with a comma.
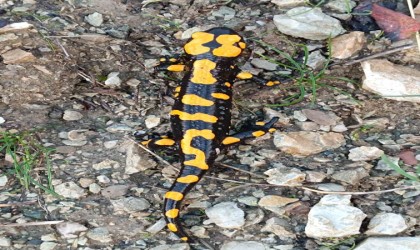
x: 218, y: 42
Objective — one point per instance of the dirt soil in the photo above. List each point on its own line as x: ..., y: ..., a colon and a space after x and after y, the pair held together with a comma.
x: 69, y: 71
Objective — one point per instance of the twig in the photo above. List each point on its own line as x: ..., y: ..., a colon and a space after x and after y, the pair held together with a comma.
x: 383, y: 53
x: 410, y: 6
x: 273, y: 185
x: 35, y: 223
x: 62, y: 48
x: 24, y: 203
x: 155, y: 155
x: 240, y: 170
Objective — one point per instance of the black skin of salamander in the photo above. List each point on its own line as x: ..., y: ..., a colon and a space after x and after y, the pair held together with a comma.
x: 225, y: 71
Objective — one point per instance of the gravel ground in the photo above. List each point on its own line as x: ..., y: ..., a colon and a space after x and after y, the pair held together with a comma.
x: 82, y: 77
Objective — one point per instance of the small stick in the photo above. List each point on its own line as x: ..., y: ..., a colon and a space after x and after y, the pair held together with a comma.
x: 24, y: 203
x: 410, y: 6
x: 273, y: 185
x: 383, y: 53
x: 63, y: 49
x: 36, y: 223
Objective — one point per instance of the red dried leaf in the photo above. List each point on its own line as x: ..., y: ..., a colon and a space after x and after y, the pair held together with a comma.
x: 396, y: 25
x: 408, y: 157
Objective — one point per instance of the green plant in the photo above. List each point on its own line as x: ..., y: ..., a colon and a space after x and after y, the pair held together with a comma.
x: 29, y: 158
x: 304, y: 78
x: 401, y: 171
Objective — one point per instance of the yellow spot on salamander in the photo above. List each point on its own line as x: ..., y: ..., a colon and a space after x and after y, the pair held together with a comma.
x: 173, y: 213
x: 173, y: 59
x: 272, y: 130
x: 258, y: 133
x: 188, y: 179
x: 145, y: 143
x: 202, y: 72
x: 244, y: 75
x: 162, y: 60
x: 191, y: 99
x: 220, y: 96
x: 242, y: 45
x: 259, y: 123
x: 184, y: 238
x: 176, y: 67
x: 228, y: 84
x: 230, y: 140
x: 177, y: 89
x: 165, y: 142
x: 272, y: 83
x: 200, y: 156
x: 173, y: 195
x: 172, y: 227
x: 227, y: 49
x: 195, y: 46
x: 194, y: 117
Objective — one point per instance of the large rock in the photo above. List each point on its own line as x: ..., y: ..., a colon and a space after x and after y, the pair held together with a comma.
x: 390, y: 243
x: 309, y: 23
x: 333, y: 216
x: 307, y: 143
x: 226, y: 215
x: 386, y: 224
x: 391, y: 81
x: 347, y: 45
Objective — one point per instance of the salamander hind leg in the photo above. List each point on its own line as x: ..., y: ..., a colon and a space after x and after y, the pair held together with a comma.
x: 260, y: 130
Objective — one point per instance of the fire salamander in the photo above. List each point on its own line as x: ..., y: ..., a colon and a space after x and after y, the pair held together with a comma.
x: 200, y: 118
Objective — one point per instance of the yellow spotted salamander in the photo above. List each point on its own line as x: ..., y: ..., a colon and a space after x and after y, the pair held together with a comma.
x: 201, y: 115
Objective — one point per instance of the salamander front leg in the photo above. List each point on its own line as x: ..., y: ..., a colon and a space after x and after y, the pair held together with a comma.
x: 260, y: 130
x: 157, y: 143
x: 173, y: 64
x: 244, y: 75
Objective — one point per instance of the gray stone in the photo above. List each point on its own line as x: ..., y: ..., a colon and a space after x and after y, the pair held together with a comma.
x: 15, y: 27
x: 309, y: 23
x: 263, y: 64
x: 351, y: 176
x: 137, y: 160
x: 115, y: 191
x: 69, y: 190
x: 159, y: 225
x: 364, y: 153
x: 106, y: 164
x: 386, y: 224
x: 289, y: 3
x: 113, y: 80
x: 3, y: 180
x: 391, y: 81
x: 343, y: 6
x: 48, y: 246
x: 248, y: 200
x: 390, y: 243
x: 69, y: 230
x: 316, y: 60
x: 225, y: 12
x: 71, y: 115
x: 226, y: 215
x: 8, y: 37
x: 275, y: 201
x: 130, y: 204
x: 307, y: 143
x: 152, y: 121
x: 333, y: 216
x: 320, y: 117
x: 99, y: 234
x: 94, y: 19
x: 278, y: 227
x: 285, y: 176
x: 179, y: 246
x: 5, y: 241
x: 243, y: 245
